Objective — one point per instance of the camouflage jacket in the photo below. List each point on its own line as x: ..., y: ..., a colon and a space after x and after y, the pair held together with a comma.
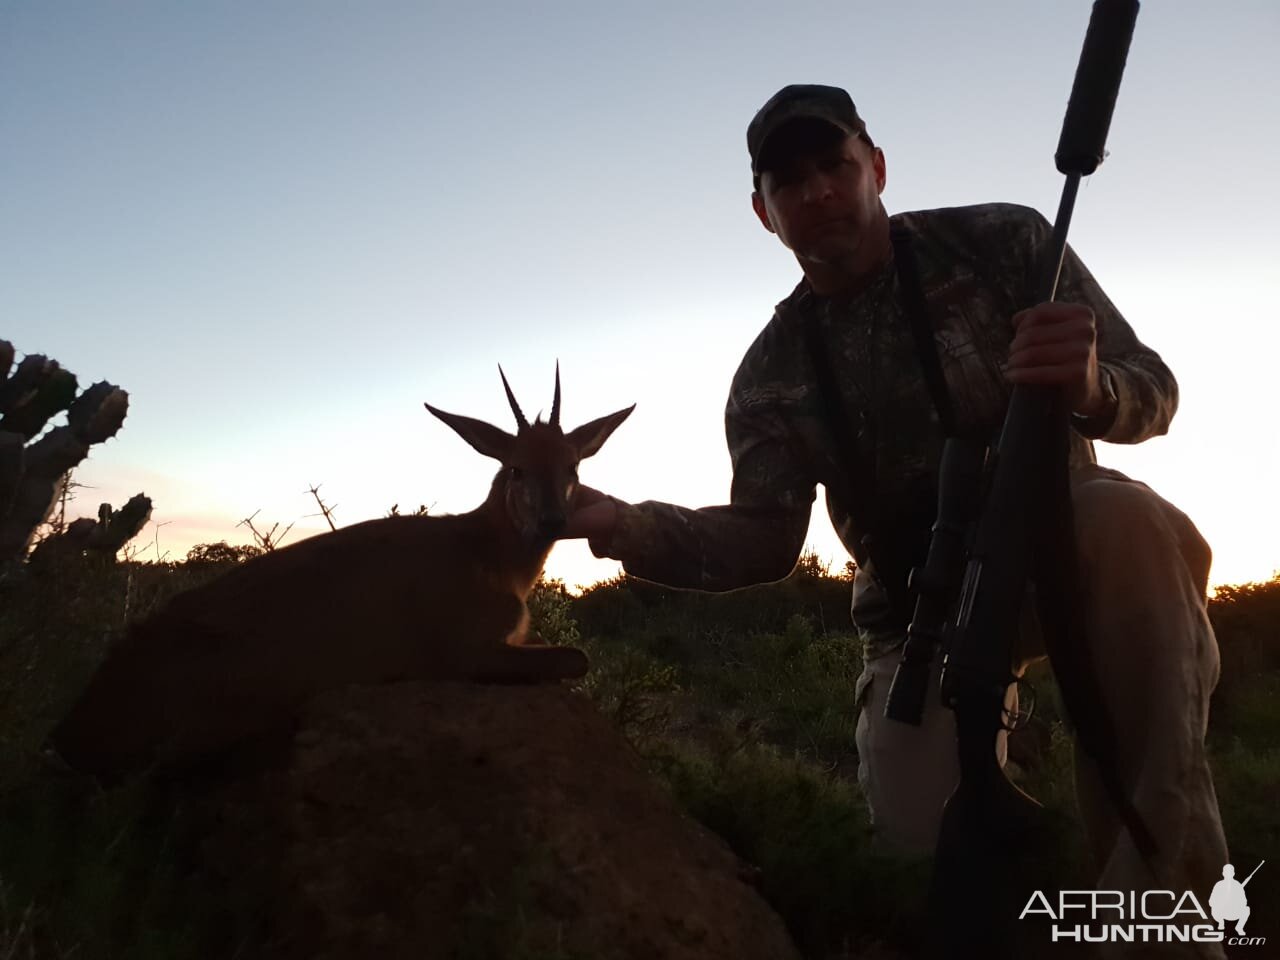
x: 978, y: 266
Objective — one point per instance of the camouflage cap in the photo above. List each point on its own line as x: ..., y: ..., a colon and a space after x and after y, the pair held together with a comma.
x: 801, y: 101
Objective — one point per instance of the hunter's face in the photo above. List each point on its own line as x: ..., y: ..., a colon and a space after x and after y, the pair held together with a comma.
x: 820, y: 193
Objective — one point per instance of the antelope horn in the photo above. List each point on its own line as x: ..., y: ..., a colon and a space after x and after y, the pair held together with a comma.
x: 555, y: 404
x: 511, y: 398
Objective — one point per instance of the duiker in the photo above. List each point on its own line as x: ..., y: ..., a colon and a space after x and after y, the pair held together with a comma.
x: 398, y: 598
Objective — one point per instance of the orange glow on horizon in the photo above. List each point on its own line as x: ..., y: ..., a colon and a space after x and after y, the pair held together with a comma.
x: 571, y: 562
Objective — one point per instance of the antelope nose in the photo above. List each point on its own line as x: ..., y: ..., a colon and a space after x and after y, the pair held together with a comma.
x: 552, y: 524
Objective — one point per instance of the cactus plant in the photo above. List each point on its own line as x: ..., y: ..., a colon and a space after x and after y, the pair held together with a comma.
x: 103, y: 537
x: 33, y: 472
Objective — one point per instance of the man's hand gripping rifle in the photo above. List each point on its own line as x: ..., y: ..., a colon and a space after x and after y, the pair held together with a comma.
x: 986, y: 546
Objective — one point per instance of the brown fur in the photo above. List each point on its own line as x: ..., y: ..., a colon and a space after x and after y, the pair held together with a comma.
x: 400, y: 598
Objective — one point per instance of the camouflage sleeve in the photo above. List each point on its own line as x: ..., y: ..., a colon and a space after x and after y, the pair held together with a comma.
x: 755, y: 538
x: 1145, y: 389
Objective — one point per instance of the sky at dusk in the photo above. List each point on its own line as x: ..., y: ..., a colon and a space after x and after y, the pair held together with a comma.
x: 282, y: 226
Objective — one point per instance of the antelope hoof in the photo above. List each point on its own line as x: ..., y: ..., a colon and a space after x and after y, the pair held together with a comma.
x: 575, y: 663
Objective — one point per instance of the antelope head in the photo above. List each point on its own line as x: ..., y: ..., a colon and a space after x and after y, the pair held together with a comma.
x: 539, y: 473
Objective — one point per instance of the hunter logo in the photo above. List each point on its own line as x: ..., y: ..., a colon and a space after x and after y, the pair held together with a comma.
x: 1154, y: 916
x: 1228, y: 900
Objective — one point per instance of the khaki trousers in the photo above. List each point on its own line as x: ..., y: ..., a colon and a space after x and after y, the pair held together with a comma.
x: 1144, y: 572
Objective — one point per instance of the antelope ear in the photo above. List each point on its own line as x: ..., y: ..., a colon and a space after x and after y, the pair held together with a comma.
x: 590, y: 437
x: 483, y: 437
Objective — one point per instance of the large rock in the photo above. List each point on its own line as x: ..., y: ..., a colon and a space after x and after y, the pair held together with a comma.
x: 453, y: 820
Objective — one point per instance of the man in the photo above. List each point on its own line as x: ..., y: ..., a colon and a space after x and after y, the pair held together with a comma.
x: 1228, y: 901
x: 818, y: 179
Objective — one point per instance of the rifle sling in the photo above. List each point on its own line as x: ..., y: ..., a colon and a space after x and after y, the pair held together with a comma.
x: 1056, y: 574
x: 904, y: 258
x: 845, y: 439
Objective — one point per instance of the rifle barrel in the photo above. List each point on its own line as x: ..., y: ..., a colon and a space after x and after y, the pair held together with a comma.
x: 1250, y: 876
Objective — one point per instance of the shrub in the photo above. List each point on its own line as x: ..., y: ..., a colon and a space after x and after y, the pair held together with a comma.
x: 809, y: 836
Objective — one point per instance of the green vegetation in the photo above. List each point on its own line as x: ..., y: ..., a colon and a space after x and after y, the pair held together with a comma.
x: 75, y: 860
x: 741, y: 704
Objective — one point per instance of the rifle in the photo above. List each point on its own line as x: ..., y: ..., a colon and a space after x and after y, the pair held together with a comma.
x: 971, y: 590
